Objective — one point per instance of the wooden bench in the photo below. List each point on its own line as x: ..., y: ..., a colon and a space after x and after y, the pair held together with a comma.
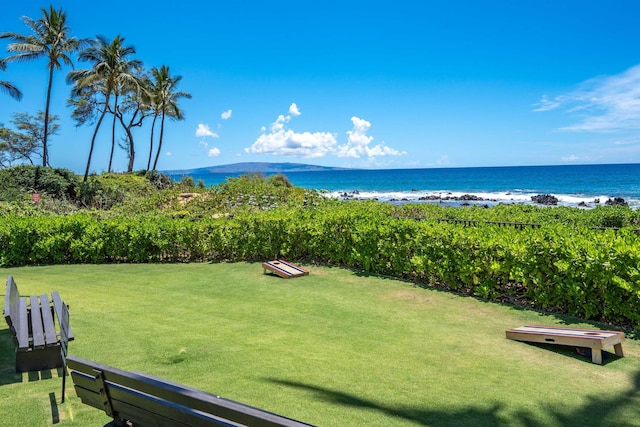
x: 284, y: 269
x: 137, y: 399
x: 594, y: 339
x: 35, y: 334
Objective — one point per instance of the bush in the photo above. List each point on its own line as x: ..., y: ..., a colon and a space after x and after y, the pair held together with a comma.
x: 108, y: 190
x: 17, y: 180
x: 159, y: 180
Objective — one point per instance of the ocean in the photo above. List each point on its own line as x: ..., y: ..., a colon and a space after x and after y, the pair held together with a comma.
x: 573, y: 185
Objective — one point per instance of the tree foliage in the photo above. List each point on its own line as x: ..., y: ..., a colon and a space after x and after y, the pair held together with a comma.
x: 8, y: 87
x: 50, y: 38
x: 26, y: 143
x: 115, y: 84
x: 112, y: 69
x: 164, y: 97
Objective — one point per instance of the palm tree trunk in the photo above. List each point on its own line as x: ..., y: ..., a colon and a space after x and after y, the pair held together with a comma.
x: 93, y: 139
x: 132, y: 151
x: 113, y: 132
x: 45, y: 150
x: 153, y: 125
x: 155, y: 164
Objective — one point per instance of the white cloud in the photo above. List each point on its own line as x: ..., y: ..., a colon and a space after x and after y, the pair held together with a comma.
x: 443, y: 160
x: 282, y: 141
x: 214, y: 152
x: 604, y: 104
x: 571, y: 158
x: 626, y: 142
x: 289, y: 143
x: 204, y: 130
x: 545, y: 104
x: 204, y: 143
x: 169, y: 154
x: 358, y: 143
x: 226, y: 115
x: 293, y: 109
x: 278, y: 125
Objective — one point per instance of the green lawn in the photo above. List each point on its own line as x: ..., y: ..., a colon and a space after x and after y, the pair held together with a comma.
x: 335, y: 348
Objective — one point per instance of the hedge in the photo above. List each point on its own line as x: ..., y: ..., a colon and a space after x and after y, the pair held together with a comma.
x: 592, y: 274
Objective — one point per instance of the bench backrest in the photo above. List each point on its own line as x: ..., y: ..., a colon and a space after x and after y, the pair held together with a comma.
x: 147, y: 400
x: 63, y: 320
x: 11, y: 303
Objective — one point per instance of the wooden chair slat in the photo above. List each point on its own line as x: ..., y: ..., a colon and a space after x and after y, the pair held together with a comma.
x: 22, y: 326
x: 50, y: 337
x: 37, y: 331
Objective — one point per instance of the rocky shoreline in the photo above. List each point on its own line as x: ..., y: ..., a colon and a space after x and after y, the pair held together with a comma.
x: 539, y: 199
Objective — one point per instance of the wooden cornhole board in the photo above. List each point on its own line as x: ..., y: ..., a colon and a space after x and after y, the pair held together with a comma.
x: 592, y: 338
x: 284, y: 269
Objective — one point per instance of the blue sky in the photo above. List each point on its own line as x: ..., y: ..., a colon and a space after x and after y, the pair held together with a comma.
x: 402, y: 84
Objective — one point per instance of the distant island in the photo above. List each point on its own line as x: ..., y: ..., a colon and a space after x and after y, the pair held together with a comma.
x: 259, y: 167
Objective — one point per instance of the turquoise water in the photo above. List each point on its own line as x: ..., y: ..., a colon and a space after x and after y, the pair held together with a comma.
x: 572, y: 185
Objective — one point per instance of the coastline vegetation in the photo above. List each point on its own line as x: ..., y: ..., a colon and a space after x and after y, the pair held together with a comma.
x: 584, y: 263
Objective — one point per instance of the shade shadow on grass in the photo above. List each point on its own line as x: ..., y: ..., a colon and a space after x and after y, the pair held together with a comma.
x: 8, y: 374
x: 55, y: 412
x: 422, y: 416
x: 600, y: 410
x: 570, y: 351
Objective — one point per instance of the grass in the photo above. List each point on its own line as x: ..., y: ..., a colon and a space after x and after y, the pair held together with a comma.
x: 335, y: 348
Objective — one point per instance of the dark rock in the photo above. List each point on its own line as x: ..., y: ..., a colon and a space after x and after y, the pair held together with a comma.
x: 545, y: 199
x: 617, y: 201
x: 470, y: 197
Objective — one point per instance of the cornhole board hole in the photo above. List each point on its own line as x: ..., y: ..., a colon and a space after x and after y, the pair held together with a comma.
x: 283, y: 269
x: 592, y: 338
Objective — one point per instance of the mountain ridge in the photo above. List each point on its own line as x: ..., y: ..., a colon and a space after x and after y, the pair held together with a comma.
x: 257, y: 167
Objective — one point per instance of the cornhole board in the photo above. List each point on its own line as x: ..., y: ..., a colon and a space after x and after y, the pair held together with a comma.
x: 592, y: 338
x: 284, y: 269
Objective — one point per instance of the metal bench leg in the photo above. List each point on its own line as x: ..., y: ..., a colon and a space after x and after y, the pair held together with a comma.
x: 596, y: 356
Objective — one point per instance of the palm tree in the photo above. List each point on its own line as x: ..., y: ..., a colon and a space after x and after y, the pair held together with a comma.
x: 111, y: 70
x: 50, y: 39
x: 155, y: 110
x: 165, y: 98
x: 8, y: 87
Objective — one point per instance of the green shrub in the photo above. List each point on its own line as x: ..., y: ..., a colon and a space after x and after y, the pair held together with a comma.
x: 159, y: 180
x: 17, y: 180
x: 187, y: 181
